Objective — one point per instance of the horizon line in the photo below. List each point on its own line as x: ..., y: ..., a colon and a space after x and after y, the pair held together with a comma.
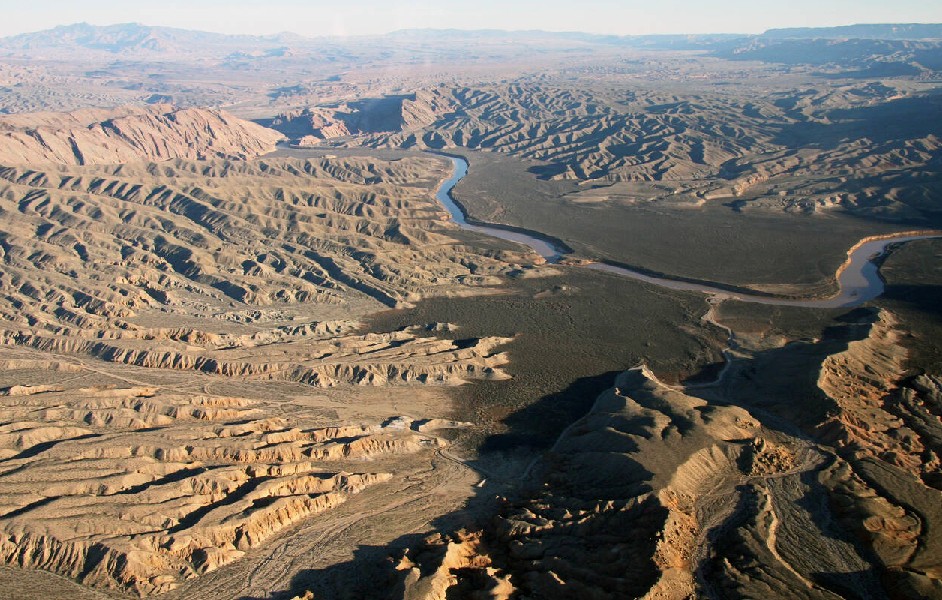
x: 463, y: 30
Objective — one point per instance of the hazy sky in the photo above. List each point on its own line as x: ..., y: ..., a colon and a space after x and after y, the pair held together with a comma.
x: 355, y: 17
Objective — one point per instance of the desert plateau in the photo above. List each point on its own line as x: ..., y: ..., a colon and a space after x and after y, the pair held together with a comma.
x: 470, y: 313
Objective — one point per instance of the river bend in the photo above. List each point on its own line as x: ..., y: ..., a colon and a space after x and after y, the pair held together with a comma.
x: 858, y: 281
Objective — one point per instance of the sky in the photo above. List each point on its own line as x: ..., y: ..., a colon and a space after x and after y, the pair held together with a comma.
x: 368, y: 17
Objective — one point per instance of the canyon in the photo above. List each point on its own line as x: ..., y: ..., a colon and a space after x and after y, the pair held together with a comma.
x: 470, y: 315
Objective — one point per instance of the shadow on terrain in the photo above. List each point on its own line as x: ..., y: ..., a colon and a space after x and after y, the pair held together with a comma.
x: 778, y: 387
x: 548, y: 171
x: 782, y: 383
x: 707, y: 374
x: 370, y: 573
x: 920, y: 297
x: 905, y: 118
x: 41, y: 447
x: 538, y: 425
x: 846, y: 585
x: 375, y: 115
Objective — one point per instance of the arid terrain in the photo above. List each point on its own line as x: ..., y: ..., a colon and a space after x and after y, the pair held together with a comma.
x: 248, y: 354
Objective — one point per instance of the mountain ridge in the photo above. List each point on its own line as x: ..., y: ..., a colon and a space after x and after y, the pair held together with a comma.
x: 875, y: 31
x: 131, y: 38
x: 130, y: 134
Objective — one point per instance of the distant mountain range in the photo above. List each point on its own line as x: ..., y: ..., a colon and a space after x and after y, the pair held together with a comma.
x: 135, y: 38
x: 892, y: 31
x: 891, y: 49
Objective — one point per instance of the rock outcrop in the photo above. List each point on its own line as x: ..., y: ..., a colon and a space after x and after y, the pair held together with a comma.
x: 131, y: 293
x: 824, y: 489
x: 140, y: 489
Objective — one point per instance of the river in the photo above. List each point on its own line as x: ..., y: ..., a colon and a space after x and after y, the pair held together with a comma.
x: 859, y: 280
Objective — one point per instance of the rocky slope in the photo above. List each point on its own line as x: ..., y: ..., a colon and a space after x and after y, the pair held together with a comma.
x: 142, y: 488
x: 827, y: 488
x: 133, y: 292
x: 129, y: 134
x: 853, y: 146
x: 409, y: 113
x: 184, y: 237
x: 618, y: 515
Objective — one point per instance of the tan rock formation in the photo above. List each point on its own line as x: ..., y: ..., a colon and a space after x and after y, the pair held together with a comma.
x: 139, y: 489
x: 130, y: 134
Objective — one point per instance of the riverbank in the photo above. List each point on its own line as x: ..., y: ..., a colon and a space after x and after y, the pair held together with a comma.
x: 857, y: 277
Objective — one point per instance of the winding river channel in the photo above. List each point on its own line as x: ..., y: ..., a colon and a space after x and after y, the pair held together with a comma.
x: 859, y: 280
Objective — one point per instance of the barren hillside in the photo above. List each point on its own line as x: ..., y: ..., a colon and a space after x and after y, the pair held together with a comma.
x: 855, y: 147
x: 129, y: 134
x: 753, y: 498
x: 234, y: 367
x: 133, y: 292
